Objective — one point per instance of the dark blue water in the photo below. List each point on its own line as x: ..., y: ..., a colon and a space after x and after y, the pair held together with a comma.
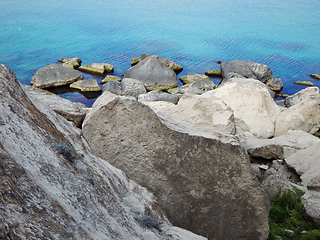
x: 195, y: 34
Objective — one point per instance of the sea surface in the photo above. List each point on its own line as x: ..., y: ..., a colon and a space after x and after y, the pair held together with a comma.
x: 196, y: 34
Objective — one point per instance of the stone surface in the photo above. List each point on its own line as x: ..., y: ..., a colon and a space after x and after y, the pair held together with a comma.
x: 166, y: 62
x: 113, y: 87
x: 64, y: 107
x: 253, y: 107
x: 307, y: 94
x: 202, y: 179
x: 132, y: 87
x: 158, y: 95
x: 303, y: 116
x: 275, y: 84
x: 97, y: 68
x: 53, y: 187
x: 71, y: 63
x: 192, y: 77
x: 196, y: 88
x: 247, y: 69
x: 311, y: 204
x: 153, y: 74
x: 111, y: 77
x: 54, y: 75
x: 90, y: 85
x: 209, y: 113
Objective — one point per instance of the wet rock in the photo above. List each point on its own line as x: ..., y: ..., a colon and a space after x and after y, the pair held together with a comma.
x: 275, y: 84
x: 90, y: 85
x: 97, y: 68
x: 153, y: 74
x: 54, y: 75
x: 71, y: 63
x: 158, y: 95
x: 202, y: 179
x: 196, y: 88
x: 166, y: 62
x: 111, y: 77
x: 192, y: 77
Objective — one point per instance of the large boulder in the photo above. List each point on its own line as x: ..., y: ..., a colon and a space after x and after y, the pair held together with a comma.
x: 166, y: 62
x: 202, y: 179
x: 53, y: 187
x: 90, y: 85
x: 307, y: 94
x: 54, y: 75
x: 153, y: 74
x: 253, y: 107
x: 132, y: 87
x: 205, y: 112
x: 247, y: 69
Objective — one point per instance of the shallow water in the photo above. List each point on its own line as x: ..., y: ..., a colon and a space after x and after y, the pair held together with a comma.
x: 195, y: 34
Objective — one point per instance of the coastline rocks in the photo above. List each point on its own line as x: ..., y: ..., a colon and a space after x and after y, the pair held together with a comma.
x: 54, y: 75
x: 202, y: 179
x: 158, y: 95
x: 90, y: 85
x: 192, y: 77
x: 113, y: 87
x: 110, y: 77
x: 64, y: 107
x: 275, y: 84
x: 97, y: 68
x: 132, y: 88
x: 166, y: 62
x: 71, y: 63
x: 307, y: 94
x: 153, y: 74
x: 209, y: 113
x: 253, y: 107
x: 195, y: 88
x: 53, y: 187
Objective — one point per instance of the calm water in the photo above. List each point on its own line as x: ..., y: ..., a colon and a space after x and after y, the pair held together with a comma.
x: 195, y: 34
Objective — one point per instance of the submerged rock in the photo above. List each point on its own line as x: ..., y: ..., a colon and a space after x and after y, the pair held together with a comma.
x: 202, y: 179
x: 54, y: 75
x: 192, y: 77
x: 90, y: 85
x: 97, y: 68
x: 71, y: 63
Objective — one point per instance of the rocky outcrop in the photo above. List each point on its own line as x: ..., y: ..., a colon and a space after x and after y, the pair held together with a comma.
x: 153, y: 74
x: 54, y: 75
x: 166, y: 62
x: 53, y: 187
x: 202, y: 179
x: 89, y: 85
x: 192, y: 77
x: 158, y: 95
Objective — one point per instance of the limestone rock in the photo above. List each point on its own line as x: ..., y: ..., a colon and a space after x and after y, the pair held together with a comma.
x: 132, y: 87
x: 53, y: 187
x: 209, y: 113
x: 113, y: 87
x: 247, y: 69
x: 158, y: 95
x: 303, y: 116
x: 253, y: 107
x: 307, y: 94
x: 64, y: 107
x: 153, y: 74
x: 54, y: 75
x: 192, y: 77
x: 90, y: 85
x: 202, y: 179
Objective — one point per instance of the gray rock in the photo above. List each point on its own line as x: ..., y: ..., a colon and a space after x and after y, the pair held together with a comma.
x: 53, y: 187
x: 132, y: 87
x: 54, y: 75
x: 158, y: 95
x: 90, y: 85
x: 247, y: 69
x: 195, y: 88
x: 311, y: 203
x: 153, y: 74
x: 275, y: 84
x: 230, y: 75
x: 97, y: 68
x: 113, y: 87
x: 307, y: 94
x: 71, y: 63
x: 202, y: 179
x: 166, y: 62
x: 192, y: 77
x: 62, y: 106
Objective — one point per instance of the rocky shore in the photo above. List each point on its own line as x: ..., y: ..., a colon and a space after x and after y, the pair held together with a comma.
x: 194, y: 162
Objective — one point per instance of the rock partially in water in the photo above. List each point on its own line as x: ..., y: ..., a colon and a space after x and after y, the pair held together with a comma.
x: 90, y: 85
x: 71, y: 63
x: 192, y: 77
x: 202, y: 179
x: 97, y: 68
x: 54, y: 75
x: 158, y: 95
x: 307, y: 94
x: 195, y: 88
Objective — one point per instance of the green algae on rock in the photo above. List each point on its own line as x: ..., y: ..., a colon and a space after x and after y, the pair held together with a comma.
x: 97, y: 68
x: 305, y: 83
x: 71, y: 63
x: 90, y: 85
x: 214, y: 73
x: 316, y: 76
x: 110, y: 77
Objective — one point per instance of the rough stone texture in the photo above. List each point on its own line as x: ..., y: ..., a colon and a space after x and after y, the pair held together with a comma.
x: 64, y: 107
x: 71, y: 63
x: 113, y: 87
x: 302, y: 116
x: 205, y: 112
x: 166, y: 62
x: 311, y: 203
x: 52, y: 187
x: 275, y: 84
x: 132, y: 87
x: 278, y: 147
x: 192, y: 77
x: 196, y: 88
x: 158, y: 95
x: 153, y: 74
x: 253, y: 107
x: 54, y: 75
x: 247, y: 69
x: 202, y: 179
x: 90, y: 85
x: 97, y: 68
x: 111, y: 77
x: 307, y: 94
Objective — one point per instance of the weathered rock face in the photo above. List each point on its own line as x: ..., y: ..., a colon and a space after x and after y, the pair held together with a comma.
x: 158, y: 95
x: 97, y: 68
x: 307, y: 94
x: 247, y: 69
x: 202, y: 179
x: 113, y: 87
x: 153, y: 74
x: 90, y: 85
x: 193, y: 77
x: 54, y: 75
x: 71, y: 63
x: 196, y: 88
x: 253, y: 107
x: 166, y: 62
x: 52, y: 187
x: 132, y: 87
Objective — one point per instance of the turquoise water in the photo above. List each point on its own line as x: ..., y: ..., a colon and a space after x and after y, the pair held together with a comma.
x: 195, y: 34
